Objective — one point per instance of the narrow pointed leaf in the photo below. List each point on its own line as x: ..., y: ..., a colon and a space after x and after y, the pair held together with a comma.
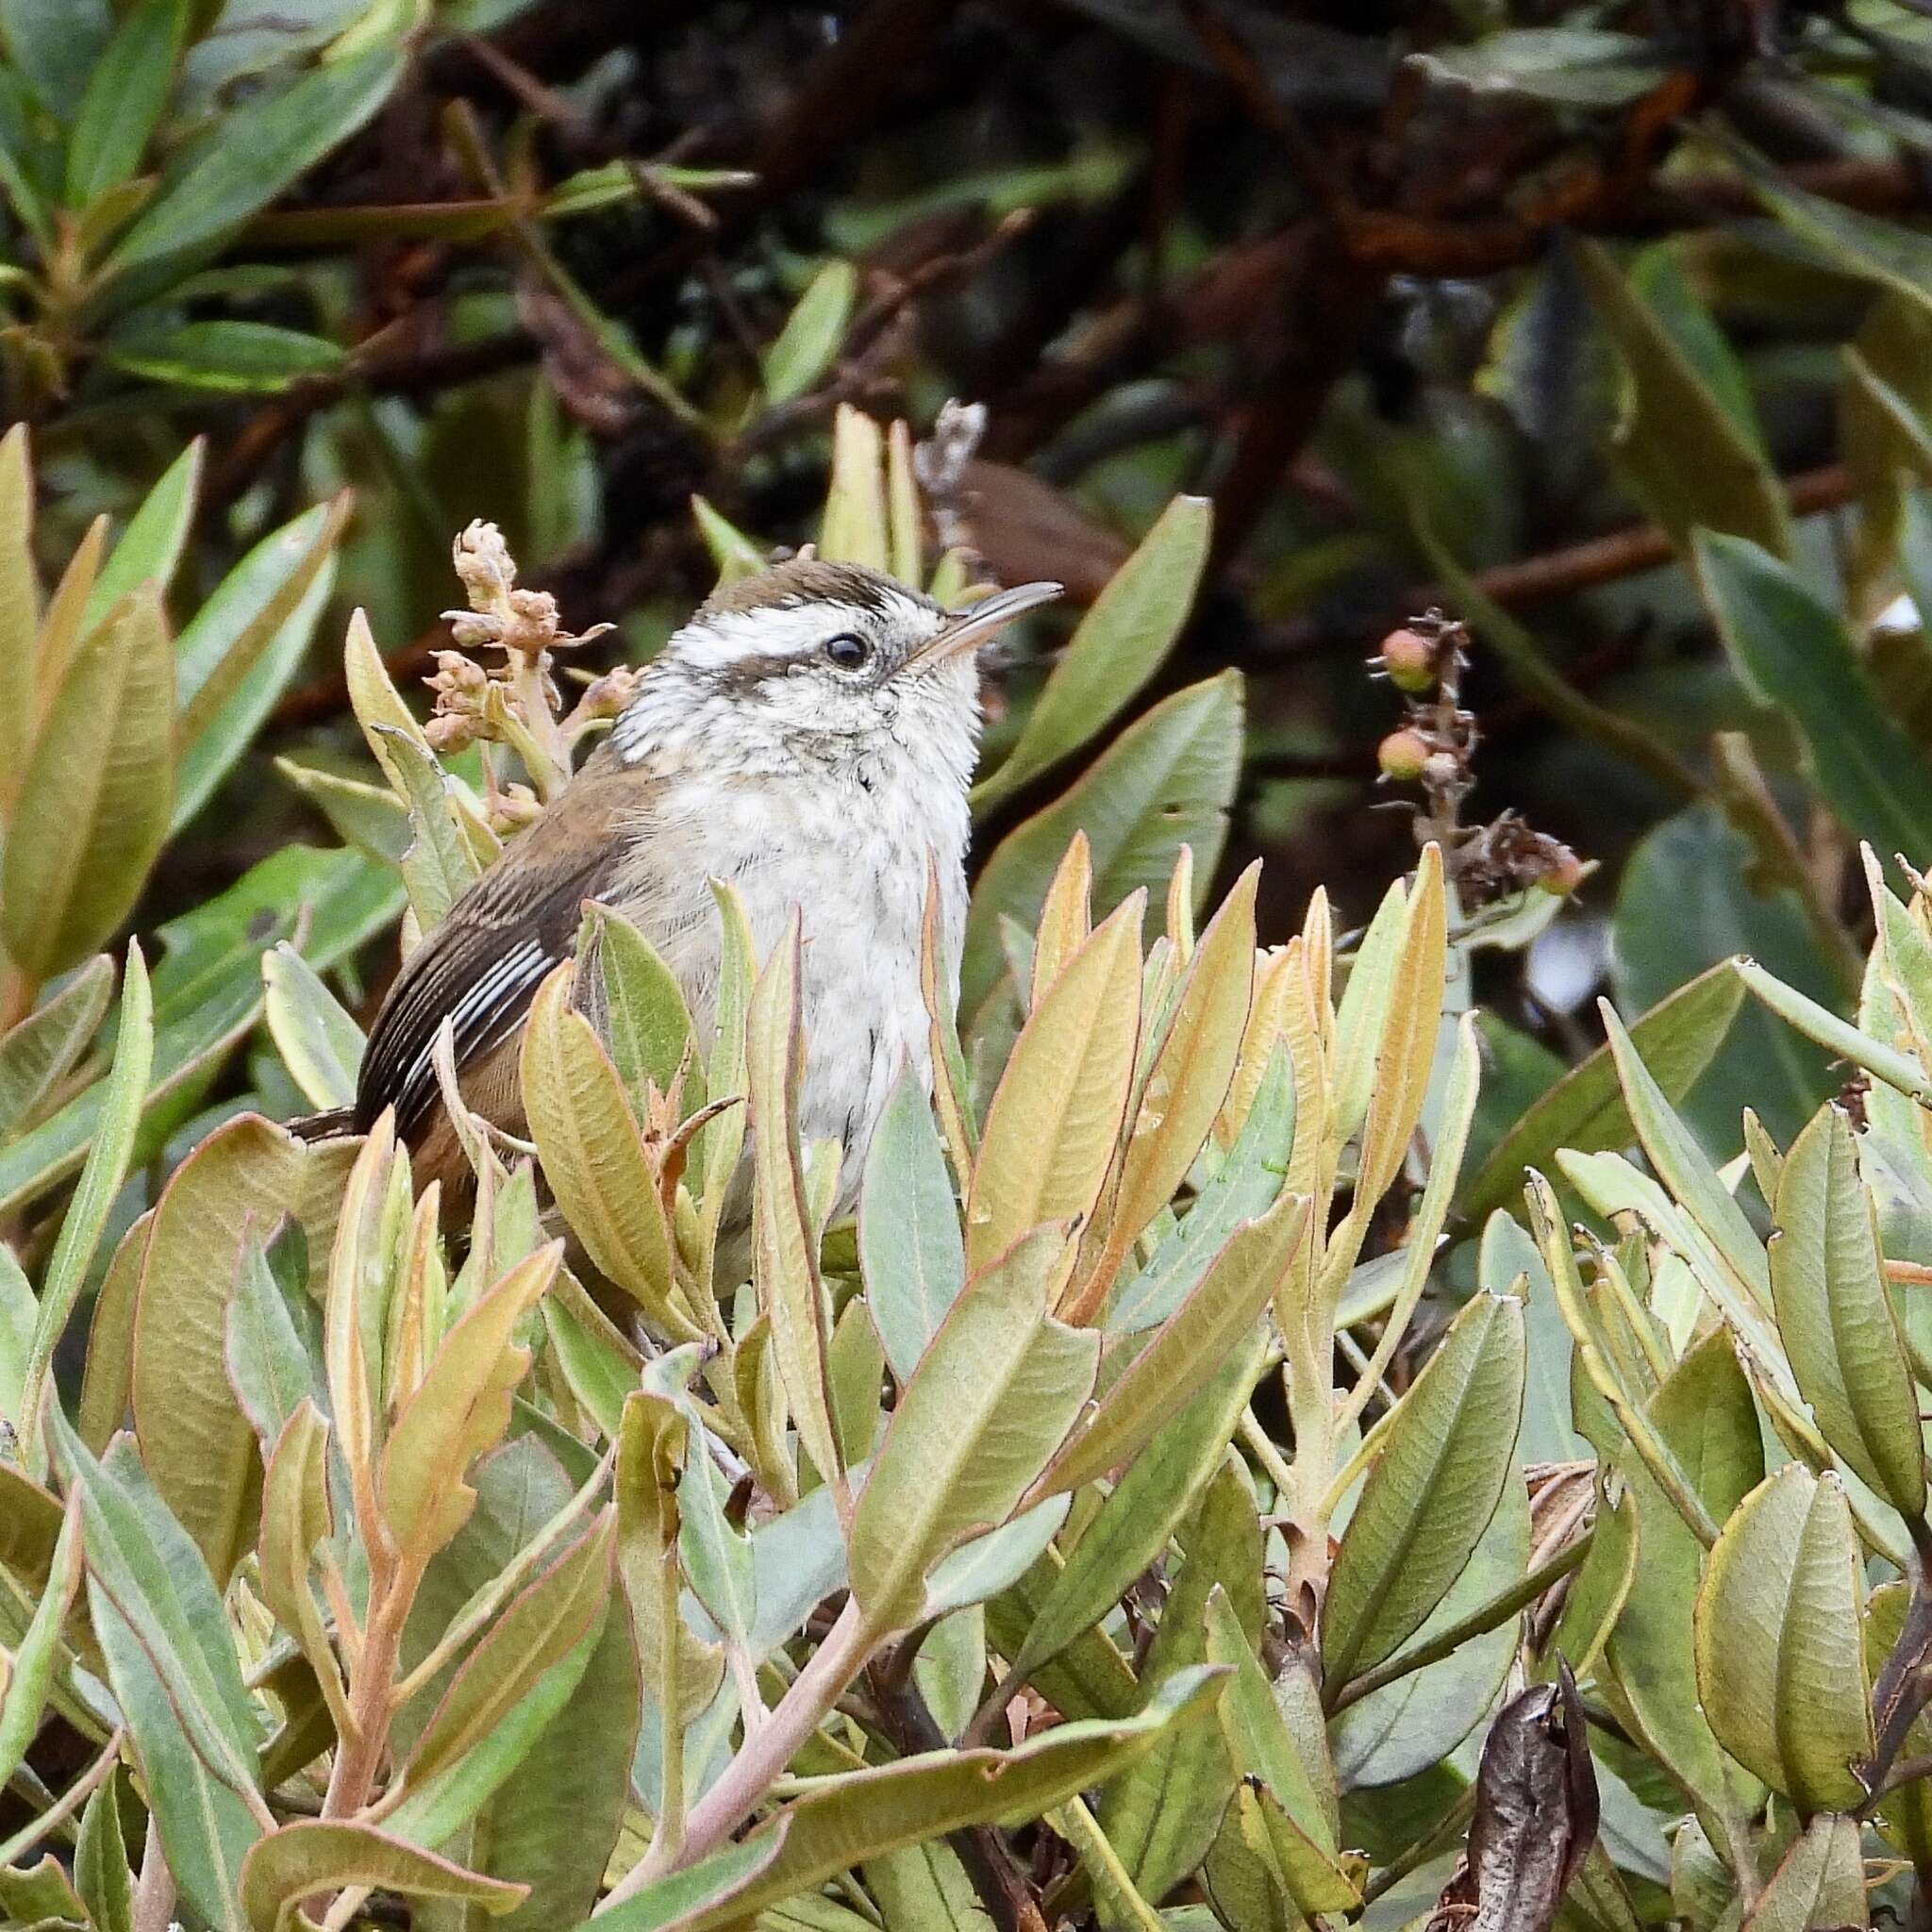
x: 1432, y: 1490
x: 1121, y: 642
x: 1056, y: 1116
x: 909, y: 1246
x: 990, y: 1402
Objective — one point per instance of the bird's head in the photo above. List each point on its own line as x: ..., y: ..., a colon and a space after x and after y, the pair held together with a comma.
x: 826, y: 660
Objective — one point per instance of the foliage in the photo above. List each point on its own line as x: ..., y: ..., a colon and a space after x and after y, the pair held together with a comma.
x: 1316, y: 1418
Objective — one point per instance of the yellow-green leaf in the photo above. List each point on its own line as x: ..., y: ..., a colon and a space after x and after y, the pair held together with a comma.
x: 787, y: 1264
x: 195, y: 1441
x: 95, y: 805
x: 20, y: 612
x: 316, y: 1855
x: 594, y: 1156
x: 1195, y: 1063
x: 459, y: 1411
x: 1055, y: 1120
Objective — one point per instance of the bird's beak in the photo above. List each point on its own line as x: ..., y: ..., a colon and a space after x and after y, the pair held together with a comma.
x: 967, y: 630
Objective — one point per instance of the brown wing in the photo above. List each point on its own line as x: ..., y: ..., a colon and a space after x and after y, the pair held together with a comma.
x: 481, y: 967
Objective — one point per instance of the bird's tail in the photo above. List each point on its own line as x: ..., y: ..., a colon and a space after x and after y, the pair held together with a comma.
x: 338, y: 1123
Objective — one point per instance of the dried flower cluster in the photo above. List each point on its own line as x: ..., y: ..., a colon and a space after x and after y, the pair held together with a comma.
x: 517, y: 702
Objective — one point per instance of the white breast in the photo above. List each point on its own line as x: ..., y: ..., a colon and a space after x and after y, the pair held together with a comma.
x: 854, y: 861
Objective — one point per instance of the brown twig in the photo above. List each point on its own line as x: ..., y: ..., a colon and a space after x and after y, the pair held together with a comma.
x: 1001, y: 1885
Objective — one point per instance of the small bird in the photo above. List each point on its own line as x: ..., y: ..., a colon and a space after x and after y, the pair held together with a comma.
x: 808, y: 736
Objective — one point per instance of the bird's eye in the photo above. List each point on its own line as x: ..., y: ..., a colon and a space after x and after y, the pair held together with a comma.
x: 848, y: 651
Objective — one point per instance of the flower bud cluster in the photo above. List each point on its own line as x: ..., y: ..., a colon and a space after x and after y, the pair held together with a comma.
x: 1435, y: 747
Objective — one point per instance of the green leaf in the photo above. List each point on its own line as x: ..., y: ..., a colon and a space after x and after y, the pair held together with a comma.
x: 853, y: 527
x: 1509, y: 1263
x: 1704, y: 1414
x: 124, y: 95
x: 460, y: 1410
x: 1578, y: 66
x: 1450, y: 1448
x: 318, y: 1854
x: 911, y: 1251
x: 1132, y: 1526
x: 24, y: 1696
x: 1891, y: 253
x: 1898, y: 1070
x: 41, y: 1896
x: 844, y: 1821
x: 1122, y: 642
x: 258, y: 150
x: 551, y: 1823
x: 1055, y: 1120
x: 1193, y: 1343
x: 107, y: 1165
x: 599, y: 1374
x: 653, y: 1439
x: 1167, y: 781
x: 97, y: 797
x: 636, y: 1004
x: 1414, y: 1722
x: 1585, y: 1110
x: 18, y: 1314
x: 1820, y: 1881
x: 991, y: 1400
x: 1687, y: 903
x: 1796, y: 654
x: 1684, y: 456
x: 438, y: 866
x: 593, y: 1156
x: 1780, y: 1663
x: 732, y: 551
x: 55, y: 45
x: 150, y: 548
x: 1246, y: 1185
x: 40, y: 1051
x: 988, y: 1564
x: 273, y: 1345
x: 229, y: 357
x: 812, y: 334
x: 370, y: 817
x: 1684, y: 1169
x: 545, y: 1623
x: 925, y: 1885
x: 1835, y: 1316
x: 787, y: 1260
x: 1162, y: 1812
x: 1192, y: 1067
x: 318, y: 1042
x: 241, y: 648
x: 172, y: 1663
x: 717, y: 1556
x: 1295, y: 1770
x: 198, y: 1445
x: 100, y: 1862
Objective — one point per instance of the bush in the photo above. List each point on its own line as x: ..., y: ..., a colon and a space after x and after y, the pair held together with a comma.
x: 1311, y: 1423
